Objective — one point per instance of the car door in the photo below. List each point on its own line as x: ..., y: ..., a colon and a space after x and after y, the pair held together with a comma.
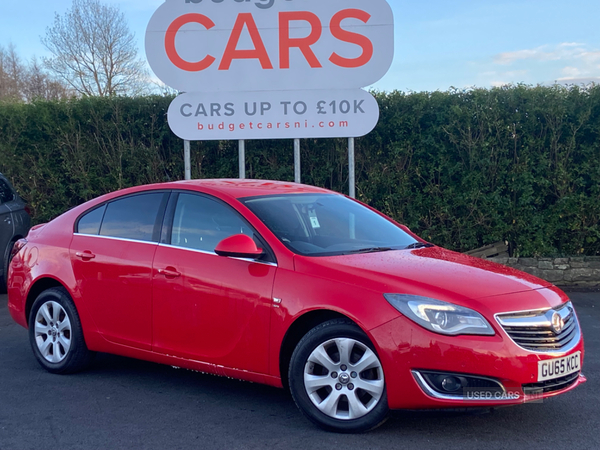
x: 206, y: 307
x: 111, y: 255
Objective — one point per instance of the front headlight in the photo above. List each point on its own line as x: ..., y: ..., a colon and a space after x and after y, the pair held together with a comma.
x: 440, y: 317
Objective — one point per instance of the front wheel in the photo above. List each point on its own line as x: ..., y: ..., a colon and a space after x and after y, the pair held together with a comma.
x: 337, y: 380
x: 55, y: 333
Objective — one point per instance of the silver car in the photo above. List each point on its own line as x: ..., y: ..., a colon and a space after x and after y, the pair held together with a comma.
x: 14, y: 224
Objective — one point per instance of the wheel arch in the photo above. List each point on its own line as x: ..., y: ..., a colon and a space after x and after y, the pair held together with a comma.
x: 296, y: 332
x: 36, y: 289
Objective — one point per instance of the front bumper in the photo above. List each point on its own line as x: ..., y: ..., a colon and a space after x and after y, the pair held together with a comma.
x: 406, y: 348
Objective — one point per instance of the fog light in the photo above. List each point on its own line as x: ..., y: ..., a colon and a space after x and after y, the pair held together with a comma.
x: 451, y: 384
x: 448, y: 382
x: 455, y: 385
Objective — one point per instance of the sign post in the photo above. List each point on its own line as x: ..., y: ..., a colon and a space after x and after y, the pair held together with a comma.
x: 242, y: 153
x: 187, y: 159
x: 297, y: 161
x: 351, y: 169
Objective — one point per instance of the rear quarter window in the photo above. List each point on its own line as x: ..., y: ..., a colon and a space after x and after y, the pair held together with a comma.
x: 90, y: 222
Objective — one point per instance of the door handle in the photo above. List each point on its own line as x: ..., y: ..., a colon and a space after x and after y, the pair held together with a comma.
x: 86, y: 256
x: 169, y: 272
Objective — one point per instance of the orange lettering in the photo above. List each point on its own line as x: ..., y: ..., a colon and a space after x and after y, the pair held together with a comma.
x: 286, y: 42
x: 353, y: 38
x: 170, y: 42
x: 259, y: 52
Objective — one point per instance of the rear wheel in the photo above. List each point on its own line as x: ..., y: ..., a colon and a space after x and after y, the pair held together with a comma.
x: 55, y: 333
x: 337, y: 380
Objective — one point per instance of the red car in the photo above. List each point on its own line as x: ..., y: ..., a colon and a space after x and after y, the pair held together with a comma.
x: 294, y: 286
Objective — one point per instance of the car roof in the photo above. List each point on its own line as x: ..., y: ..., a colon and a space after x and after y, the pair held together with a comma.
x: 223, y: 188
x: 237, y: 188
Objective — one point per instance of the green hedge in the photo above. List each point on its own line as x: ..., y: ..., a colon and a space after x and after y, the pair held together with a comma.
x: 460, y: 168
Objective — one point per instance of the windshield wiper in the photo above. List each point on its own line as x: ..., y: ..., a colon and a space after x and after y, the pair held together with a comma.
x: 371, y: 250
x: 418, y: 245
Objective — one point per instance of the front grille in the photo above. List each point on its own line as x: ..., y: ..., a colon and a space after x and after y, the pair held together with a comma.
x: 534, y: 330
x: 543, y: 338
x: 550, y: 385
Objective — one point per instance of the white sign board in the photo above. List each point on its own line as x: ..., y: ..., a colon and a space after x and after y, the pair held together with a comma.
x: 266, y: 45
x: 271, y: 69
x: 273, y: 115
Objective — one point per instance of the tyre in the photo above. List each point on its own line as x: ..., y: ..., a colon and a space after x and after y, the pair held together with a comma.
x: 56, y: 335
x: 337, y: 380
x: 4, y: 268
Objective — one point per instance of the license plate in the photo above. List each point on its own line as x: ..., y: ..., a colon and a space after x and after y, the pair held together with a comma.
x: 559, y: 367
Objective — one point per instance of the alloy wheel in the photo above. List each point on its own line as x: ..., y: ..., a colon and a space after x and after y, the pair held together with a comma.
x: 53, y: 332
x: 344, y: 378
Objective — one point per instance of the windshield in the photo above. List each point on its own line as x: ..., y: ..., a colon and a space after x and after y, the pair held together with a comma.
x: 327, y: 224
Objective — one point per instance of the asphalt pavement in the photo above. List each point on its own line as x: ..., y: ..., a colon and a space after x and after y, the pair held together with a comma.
x: 121, y: 403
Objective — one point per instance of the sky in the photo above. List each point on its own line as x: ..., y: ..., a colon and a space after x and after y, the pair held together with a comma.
x: 439, y: 44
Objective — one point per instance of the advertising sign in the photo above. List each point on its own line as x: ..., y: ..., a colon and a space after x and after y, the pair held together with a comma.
x: 273, y: 115
x: 270, y: 45
x: 271, y: 69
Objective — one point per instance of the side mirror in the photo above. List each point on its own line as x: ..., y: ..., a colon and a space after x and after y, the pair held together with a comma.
x: 238, y: 246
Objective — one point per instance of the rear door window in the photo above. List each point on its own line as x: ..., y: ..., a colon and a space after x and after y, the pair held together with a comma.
x: 137, y: 217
